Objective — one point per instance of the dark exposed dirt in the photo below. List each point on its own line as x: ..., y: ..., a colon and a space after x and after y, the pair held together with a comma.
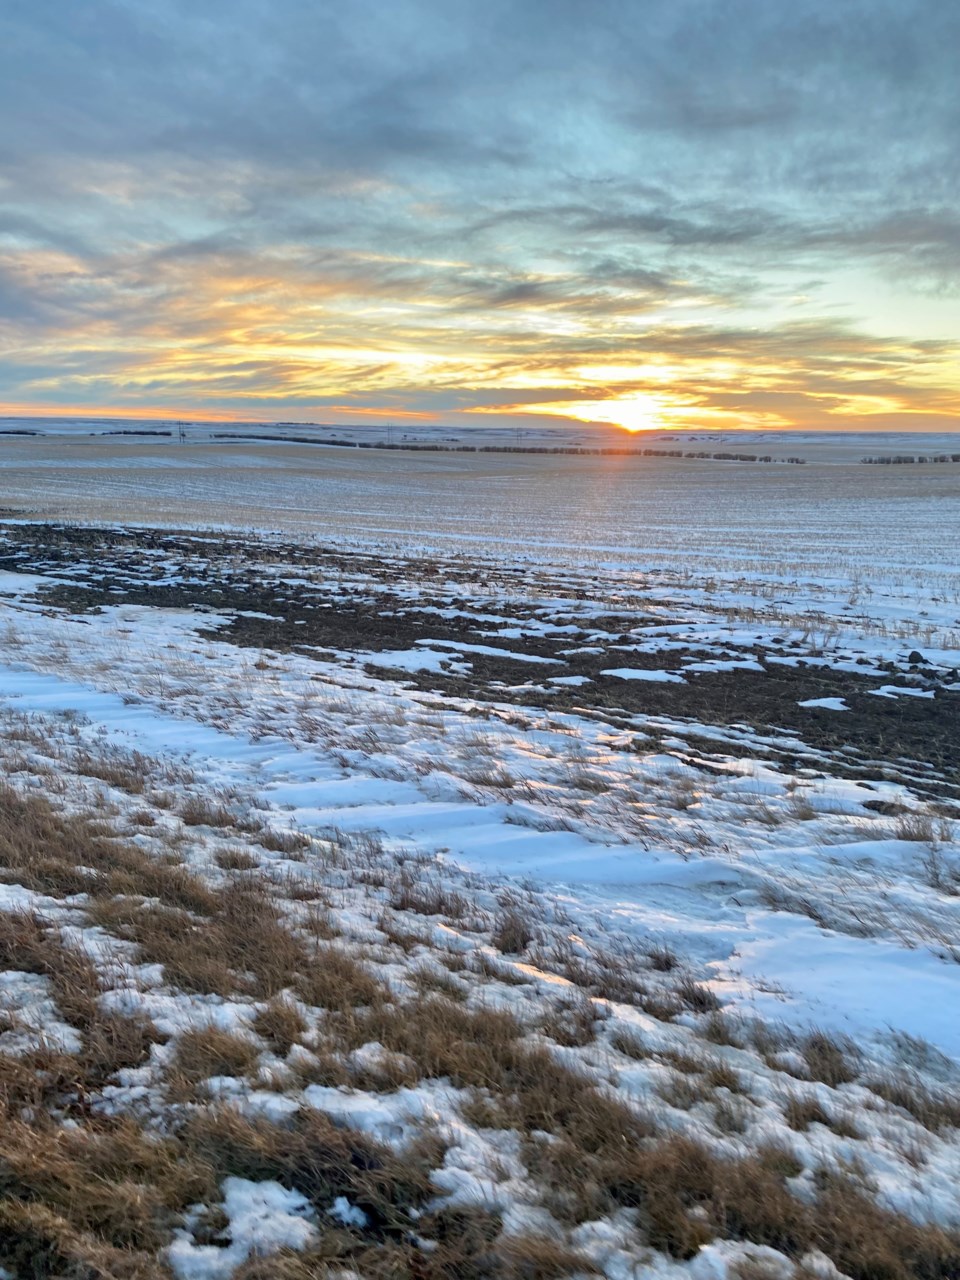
x: 323, y: 602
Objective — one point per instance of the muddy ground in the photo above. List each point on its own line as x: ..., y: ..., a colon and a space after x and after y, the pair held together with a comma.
x: 331, y: 604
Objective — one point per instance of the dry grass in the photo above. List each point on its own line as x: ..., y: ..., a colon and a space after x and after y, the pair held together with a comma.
x: 800, y: 808
x: 200, y: 811
x: 661, y: 1005
x: 401, y: 936
x: 61, y: 854
x: 98, y: 1200
x: 686, y: 1196
x: 319, y: 1159
x: 572, y: 1021
x: 203, y: 1052
x: 696, y: 996
x: 539, y: 1258
x: 113, y: 1193
x: 245, y: 946
x: 529, y: 1089
x: 143, y: 818
x: 720, y: 1028
x: 334, y: 979
x: 288, y: 842
x: 125, y: 772
x: 921, y: 827
x: 427, y: 978
x: 684, y: 1092
x: 940, y: 871
x: 631, y: 1045
x: 800, y: 1112
x: 662, y: 959
x: 511, y: 933
x: 46, y: 1079
x: 607, y: 975
x: 622, y: 976
x: 604, y: 1154
x: 492, y: 776
x: 101, y: 1198
x: 427, y: 897
x: 190, y: 950
x: 281, y: 1024
x: 483, y: 964
x: 722, y: 1076
x: 935, y: 1111
x: 581, y: 778
x: 827, y: 1059
x: 110, y: 1041
x: 236, y: 859
x: 129, y: 771
x: 731, y: 1115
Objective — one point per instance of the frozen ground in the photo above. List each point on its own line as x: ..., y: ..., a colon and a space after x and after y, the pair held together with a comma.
x: 693, y: 827
x: 832, y: 521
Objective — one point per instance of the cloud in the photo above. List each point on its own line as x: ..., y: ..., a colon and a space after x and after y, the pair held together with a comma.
x: 444, y: 206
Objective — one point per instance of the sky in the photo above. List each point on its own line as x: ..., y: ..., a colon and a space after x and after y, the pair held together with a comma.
x: 653, y: 213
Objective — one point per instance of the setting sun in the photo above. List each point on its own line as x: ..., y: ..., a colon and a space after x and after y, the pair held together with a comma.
x: 636, y: 412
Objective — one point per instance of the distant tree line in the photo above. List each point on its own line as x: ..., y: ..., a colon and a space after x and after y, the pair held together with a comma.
x: 22, y: 431
x: 572, y: 450
x: 897, y: 459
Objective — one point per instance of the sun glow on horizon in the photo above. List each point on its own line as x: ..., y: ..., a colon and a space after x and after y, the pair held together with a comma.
x: 297, y: 338
x: 637, y: 412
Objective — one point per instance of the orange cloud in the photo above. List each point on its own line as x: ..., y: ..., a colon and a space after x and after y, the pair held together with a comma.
x: 226, y: 334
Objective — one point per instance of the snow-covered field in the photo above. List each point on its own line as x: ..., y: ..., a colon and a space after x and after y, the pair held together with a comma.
x: 666, y: 782
x: 830, y: 521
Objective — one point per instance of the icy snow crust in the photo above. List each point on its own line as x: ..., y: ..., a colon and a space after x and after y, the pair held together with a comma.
x: 800, y: 882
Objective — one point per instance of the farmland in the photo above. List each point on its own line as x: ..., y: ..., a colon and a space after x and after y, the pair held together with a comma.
x: 478, y: 865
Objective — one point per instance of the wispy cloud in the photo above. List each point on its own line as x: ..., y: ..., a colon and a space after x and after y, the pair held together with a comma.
x: 705, y: 212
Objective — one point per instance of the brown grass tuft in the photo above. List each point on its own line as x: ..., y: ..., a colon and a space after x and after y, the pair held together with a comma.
x: 696, y: 996
x: 511, y: 932
x: 199, y: 811
x: 827, y: 1060
x: 203, y: 1052
x: 236, y: 859
x: 539, y: 1258
x: 281, y: 1024
x: 427, y: 897
x: 935, y: 1111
